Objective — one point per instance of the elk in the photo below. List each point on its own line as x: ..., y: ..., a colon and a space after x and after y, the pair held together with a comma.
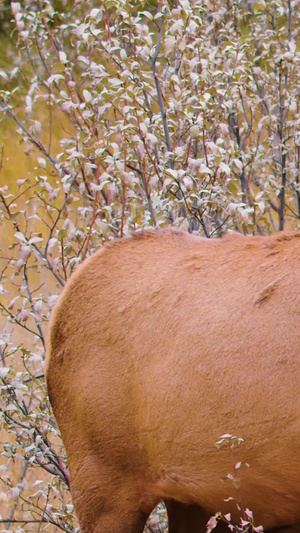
x: 160, y: 343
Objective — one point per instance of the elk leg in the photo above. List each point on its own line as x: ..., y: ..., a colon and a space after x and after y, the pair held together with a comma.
x: 105, y: 501
x: 186, y: 518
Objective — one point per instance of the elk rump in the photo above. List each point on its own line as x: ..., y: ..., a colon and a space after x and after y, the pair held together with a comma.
x: 159, y: 344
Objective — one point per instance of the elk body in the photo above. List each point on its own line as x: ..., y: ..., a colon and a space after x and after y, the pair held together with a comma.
x: 162, y: 342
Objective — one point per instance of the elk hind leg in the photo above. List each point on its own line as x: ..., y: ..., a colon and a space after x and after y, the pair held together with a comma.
x: 106, y: 502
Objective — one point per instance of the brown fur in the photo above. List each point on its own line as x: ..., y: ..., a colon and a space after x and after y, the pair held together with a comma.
x: 161, y: 343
